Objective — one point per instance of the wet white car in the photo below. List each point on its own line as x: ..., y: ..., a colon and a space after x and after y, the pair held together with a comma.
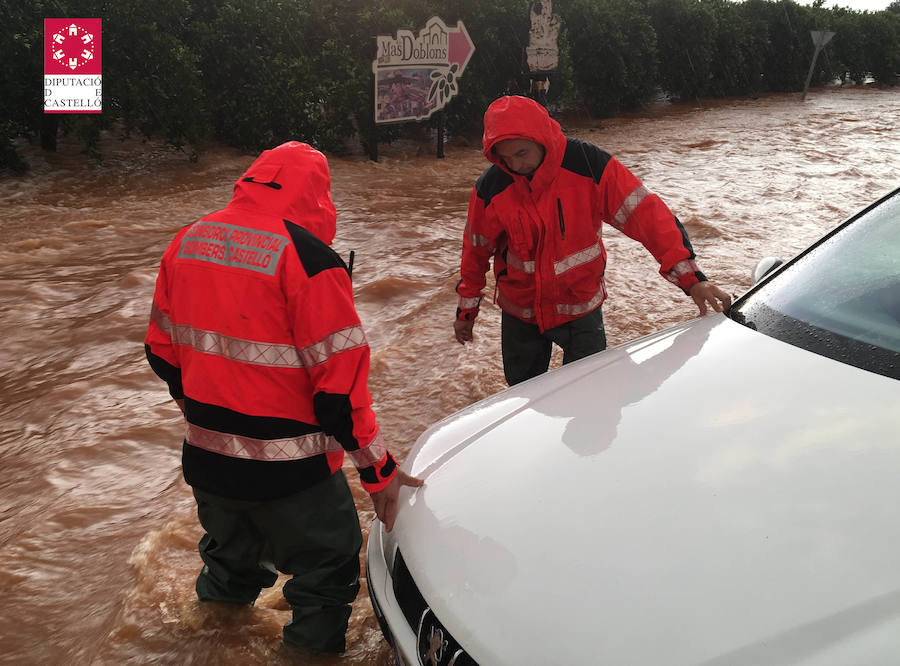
x: 725, y: 492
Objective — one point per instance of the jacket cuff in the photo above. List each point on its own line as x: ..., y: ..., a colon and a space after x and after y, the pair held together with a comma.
x: 466, y: 315
x: 689, y: 280
x: 686, y: 273
x: 467, y: 308
x: 375, y: 478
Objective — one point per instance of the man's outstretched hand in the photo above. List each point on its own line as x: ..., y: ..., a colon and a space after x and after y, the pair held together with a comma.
x: 385, y: 501
x: 707, y: 295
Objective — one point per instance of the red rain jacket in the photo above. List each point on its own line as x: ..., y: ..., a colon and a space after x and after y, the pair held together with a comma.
x: 544, y: 234
x: 253, y: 324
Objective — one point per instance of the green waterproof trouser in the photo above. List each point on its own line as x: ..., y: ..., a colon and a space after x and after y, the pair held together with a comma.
x: 313, y: 536
x: 526, y: 351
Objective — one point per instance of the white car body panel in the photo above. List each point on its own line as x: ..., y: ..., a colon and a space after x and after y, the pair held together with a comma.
x: 705, y: 495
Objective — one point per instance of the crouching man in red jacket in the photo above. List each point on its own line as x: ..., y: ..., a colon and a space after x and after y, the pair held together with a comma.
x: 254, y: 330
x: 537, y: 212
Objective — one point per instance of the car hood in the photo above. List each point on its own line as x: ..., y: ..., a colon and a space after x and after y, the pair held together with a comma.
x: 705, y: 495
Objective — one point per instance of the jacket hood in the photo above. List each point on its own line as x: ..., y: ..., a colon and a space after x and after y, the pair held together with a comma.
x: 515, y: 117
x: 292, y: 182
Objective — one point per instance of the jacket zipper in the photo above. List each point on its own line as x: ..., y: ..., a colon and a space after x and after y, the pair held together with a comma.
x: 562, y: 221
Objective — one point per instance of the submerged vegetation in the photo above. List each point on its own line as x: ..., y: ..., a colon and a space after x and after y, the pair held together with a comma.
x: 252, y: 73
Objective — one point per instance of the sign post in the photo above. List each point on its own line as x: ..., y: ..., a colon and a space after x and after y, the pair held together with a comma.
x: 415, y: 76
x: 820, y: 39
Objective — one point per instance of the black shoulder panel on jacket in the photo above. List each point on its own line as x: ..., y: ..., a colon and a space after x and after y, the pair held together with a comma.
x: 491, y: 183
x: 585, y: 159
x: 315, y: 255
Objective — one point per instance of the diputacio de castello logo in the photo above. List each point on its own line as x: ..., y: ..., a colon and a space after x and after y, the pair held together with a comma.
x: 73, y: 81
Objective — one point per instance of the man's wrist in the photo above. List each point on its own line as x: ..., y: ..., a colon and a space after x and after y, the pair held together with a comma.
x: 377, y: 477
x: 467, y: 307
x: 688, y: 281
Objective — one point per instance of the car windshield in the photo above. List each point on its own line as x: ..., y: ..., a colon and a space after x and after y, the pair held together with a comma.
x: 841, y: 298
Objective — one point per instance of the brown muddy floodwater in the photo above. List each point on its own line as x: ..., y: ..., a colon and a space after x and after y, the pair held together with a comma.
x: 97, y: 529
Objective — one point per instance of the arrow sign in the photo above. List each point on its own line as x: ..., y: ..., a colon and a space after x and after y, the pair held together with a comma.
x: 461, y: 47
x: 416, y: 75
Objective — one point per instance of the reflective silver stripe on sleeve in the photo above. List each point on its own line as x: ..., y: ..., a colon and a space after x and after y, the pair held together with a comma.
x: 578, y: 258
x: 681, y: 269
x: 469, y: 303
x: 477, y: 239
x: 575, y: 309
x: 513, y: 309
x: 514, y: 262
x: 161, y: 319
x: 369, y: 455
x: 346, y: 339
x: 236, y: 446
x: 631, y: 202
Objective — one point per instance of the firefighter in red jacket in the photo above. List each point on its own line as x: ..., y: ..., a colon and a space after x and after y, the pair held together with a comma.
x: 253, y: 327
x: 537, y: 212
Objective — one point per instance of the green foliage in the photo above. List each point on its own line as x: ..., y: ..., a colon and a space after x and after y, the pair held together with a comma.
x: 882, y: 48
x: 787, y: 55
x: 257, y: 78
x: 613, y: 52
x: 152, y: 79
x: 343, y: 68
x: 499, y: 30
x: 738, y: 60
x: 21, y: 106
x: 685, y: 65
x: 253, y: 73
x: 849, y: 46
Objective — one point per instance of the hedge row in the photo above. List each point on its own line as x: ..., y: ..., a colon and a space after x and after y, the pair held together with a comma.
x: 251, y: 73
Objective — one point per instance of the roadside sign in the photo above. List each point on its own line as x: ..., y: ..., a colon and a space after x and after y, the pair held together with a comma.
x: 542, y: 52
x: 417, y: 75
